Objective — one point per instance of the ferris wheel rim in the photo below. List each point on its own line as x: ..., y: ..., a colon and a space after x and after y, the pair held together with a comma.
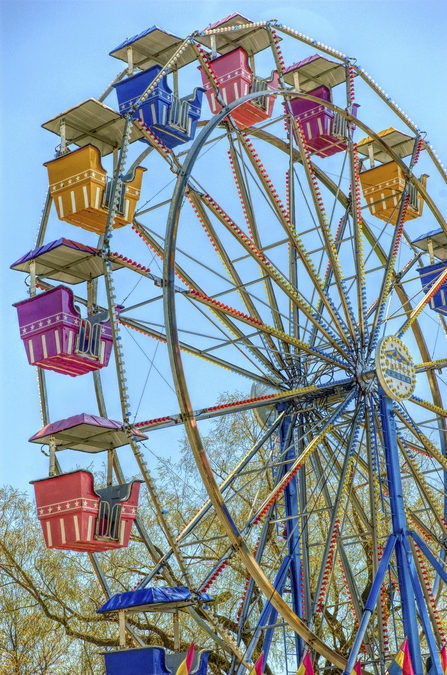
x: 181, y: 387
x: 185, y: 405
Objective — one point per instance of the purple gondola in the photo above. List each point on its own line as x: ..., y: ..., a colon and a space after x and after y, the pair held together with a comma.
x: 325, y: 130
x: 57, y: 338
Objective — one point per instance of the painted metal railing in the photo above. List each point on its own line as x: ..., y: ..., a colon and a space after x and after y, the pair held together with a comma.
x: 178, y: 116
x: 88, y: 339
x: 108, y: 520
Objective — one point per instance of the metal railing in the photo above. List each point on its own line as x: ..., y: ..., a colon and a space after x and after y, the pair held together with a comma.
x: 414, y: 194
x: 178, y: 116
x: 259, y: 84
x: 88, y: 339
x: 339, y: 126
x: 108, y: 520
x: 106, y: 196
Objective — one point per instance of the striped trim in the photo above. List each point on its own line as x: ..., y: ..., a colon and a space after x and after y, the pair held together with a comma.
x: 64, y: 540
x: 31, y: 350
x: 44, y: 346
x: 89, y: 529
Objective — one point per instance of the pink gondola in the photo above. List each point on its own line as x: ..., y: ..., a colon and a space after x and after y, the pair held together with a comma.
x: 76, y: 517
x: 236, y: 80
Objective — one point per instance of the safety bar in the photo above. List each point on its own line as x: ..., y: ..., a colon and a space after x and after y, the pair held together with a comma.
x: 108, y: 520
x: 178, y: 116
x: 258, y: 84
x: 106, y: 196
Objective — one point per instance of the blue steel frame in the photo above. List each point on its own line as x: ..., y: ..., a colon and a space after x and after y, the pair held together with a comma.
x: 294, y: 541
x: 291, y: 565
x: 412, y: 598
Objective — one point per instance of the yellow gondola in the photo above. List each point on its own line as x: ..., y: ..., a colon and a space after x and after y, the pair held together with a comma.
x: 80, y: 190
x: 383, y: 185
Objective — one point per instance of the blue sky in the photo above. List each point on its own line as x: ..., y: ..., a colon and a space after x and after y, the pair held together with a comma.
x: 55, y: 55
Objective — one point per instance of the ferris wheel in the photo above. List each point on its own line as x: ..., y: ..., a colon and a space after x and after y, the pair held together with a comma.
x: 290, y: 257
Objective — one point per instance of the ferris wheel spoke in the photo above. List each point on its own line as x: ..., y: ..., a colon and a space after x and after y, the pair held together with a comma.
x: 422, y: 527
x: 233, y: 474
x: 355, y: 501
x: 337, y: 242
x: 424, y: 488
x: 323, y: 222
x: 294, y: 238
x: 194, y: 351
x: 299, y: 461
x: 422, y: 304
x: 339, y: 507
x: 307, y: 394
x: 195, y: 287
x: 431, y: 365
x: 269, y: 269
x: 266, y: 330
x: 429, y: 447
x: 197, y: 204
x: 243, y: 189
x: 358, y: 240
x: 388, y: 272
x: 426, y: 590
x: 428, y: 406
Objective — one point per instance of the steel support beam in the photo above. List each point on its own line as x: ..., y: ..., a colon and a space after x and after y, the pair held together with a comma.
x: 410, y: 589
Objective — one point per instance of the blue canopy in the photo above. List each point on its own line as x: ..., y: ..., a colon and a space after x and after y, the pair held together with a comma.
x: 432, y: 233
x: 153, y: 600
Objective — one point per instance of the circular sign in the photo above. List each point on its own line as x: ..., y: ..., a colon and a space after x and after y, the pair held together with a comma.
x: 395, y: 368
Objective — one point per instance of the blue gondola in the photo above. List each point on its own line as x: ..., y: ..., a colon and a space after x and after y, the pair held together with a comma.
x: 172, y: 119
x: 429, y: 275
x: 435, y: 243
x: 151, y: 660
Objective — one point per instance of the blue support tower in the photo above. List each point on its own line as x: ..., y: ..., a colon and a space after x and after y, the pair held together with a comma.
x: 293, y: 529
x: 400, y: 529
x: 412, y: 599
